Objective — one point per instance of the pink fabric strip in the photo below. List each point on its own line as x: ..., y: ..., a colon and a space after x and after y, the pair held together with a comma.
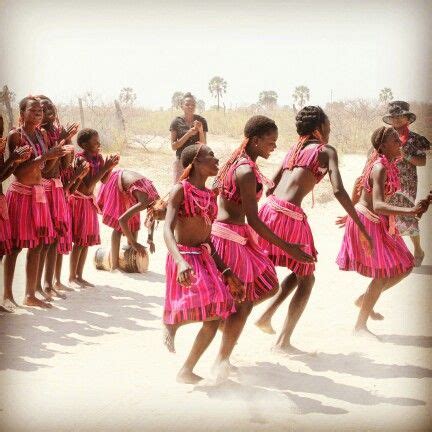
x: 221, y: 231
x: 367, y: 213
x: 80, y: 195
x: 277, y: 207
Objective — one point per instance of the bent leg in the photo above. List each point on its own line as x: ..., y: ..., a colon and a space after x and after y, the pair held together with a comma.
x: 115, y: 249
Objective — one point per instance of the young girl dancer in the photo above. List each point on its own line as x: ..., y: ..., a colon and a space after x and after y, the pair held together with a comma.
x: 390, y: 260
x: 27, y: 201
x: 55, y: 194
x: 121, y: 199
x: 240, y: 185
x: 305, y: 165
x: 195, y: 290
x: 84, y: 209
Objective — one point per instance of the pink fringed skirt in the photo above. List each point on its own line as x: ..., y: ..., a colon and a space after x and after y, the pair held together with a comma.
x: 85, y: 224
x: 114, y: 201
x: 238, y: 248
x: 5, y: 229
x: 289, y: 222
x: 29, y: 211
x: 64, y: 245
x: 57, y: 203
x: 207, y: 298
x: 390, y: 256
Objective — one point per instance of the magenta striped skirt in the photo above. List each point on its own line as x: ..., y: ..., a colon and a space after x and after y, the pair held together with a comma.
x: 57, y: 204
x: 207, y: 298
x: 289, y: 222
x: 5, y: 229
x: 390, y: 256
x: 114, y: 201
x: 237, y: 246
x: 85, y: 224
x: 28, y: 208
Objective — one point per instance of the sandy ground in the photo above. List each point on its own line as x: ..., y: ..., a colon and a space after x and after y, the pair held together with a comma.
x: 95, y: 362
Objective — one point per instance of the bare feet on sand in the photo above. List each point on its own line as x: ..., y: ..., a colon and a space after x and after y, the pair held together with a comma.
x: 169, y: 332
x: 366, y: 333
x: 60, y: 287
x: 44, y: 295
x: 84, y: 283
x: 74, y: 284
x: 186, y: 376
x: 265, y: 326
x: 9, y: 304
x: 54, y: 293
x: 33, y: 301
x: 373, y: 315
x: 418, y: 259
x: 288, y: 350
x: 220, y: 372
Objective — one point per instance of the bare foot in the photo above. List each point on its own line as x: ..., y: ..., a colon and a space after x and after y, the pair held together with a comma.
x: 288, y: 350
x: 365, y: 332
x: 169, y: 332
x: 9, y: 304
x: 54, y: 293
x: 221, y: 371
x: 265, y: 326
x: 418, y: 259
x: 44, y: 295
x: 186, y: 376
x: 373, y: 315
x: 84, y: 283
x: 4, y: 308
x: 60, y: 287
x: 33, y: 301
x: 74, y: 284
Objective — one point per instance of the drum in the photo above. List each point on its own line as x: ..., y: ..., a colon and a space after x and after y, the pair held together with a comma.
x: 129, y: 260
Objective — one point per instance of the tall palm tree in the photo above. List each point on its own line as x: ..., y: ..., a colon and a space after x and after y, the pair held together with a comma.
x: 217, y: 86
x: 301, y: 95
x: 176, y: 99
x: 268, y: 99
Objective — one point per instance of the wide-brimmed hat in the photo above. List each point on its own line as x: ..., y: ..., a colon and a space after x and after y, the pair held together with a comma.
x: 399, y: 108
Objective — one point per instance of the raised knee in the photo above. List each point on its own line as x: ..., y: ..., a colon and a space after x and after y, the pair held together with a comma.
x: 306, y: 282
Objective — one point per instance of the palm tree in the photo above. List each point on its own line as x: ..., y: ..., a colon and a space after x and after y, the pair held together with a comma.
x: 127, y: 96
x: 385, y: 95
x: 217, y: 86
x: 176, y: 99
x: 268, y: 99
x: 301, y: 95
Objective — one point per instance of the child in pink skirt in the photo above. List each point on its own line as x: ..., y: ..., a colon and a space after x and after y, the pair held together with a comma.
x: 195, y: 289
x: 390, y: 261
x: 54, y: 191
x: 240, y: 184
x: 305, y: 165
x: 27, y: 201
x: 121, y: 199
x: 84, y: 208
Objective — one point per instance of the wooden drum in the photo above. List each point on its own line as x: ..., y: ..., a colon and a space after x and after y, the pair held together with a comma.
x: 129, y: 260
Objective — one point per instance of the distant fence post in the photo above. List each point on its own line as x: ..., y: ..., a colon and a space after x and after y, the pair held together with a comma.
x: 120, y: 117
x: 8, y: 106
x: 81, y: 112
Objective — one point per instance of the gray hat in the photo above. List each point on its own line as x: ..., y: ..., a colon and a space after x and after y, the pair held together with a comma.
x: 399, y: 108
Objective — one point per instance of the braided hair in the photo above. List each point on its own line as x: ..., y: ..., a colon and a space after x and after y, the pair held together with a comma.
x: 188, y: 157
x: 256, y: 126
x: 378, y: 138
x: 308, y: 123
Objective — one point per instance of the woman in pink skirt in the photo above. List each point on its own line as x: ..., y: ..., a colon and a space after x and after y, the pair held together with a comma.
x: 305, y: 165
x: 240, y: 184
x: 121, y: 199
x: 84, y: 209
x: 27, y: 202
x: 390, y: 261
x: 198, y: 283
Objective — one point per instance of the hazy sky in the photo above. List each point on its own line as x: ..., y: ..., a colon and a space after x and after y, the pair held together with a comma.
x: 353, y: 48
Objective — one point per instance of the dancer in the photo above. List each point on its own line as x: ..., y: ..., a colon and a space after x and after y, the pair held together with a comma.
x: 413, y: 150
x: 84, y: 209
x: 55, y: 193
x: 305, y: 165
x: 240, y: 185
x: 27, y: 201
x: 195, y: 290
x: 390, y: 261
x: 121, y: 199
x: 186, y: 130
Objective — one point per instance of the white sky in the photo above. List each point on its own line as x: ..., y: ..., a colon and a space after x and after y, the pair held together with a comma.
x: 355, y: 48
